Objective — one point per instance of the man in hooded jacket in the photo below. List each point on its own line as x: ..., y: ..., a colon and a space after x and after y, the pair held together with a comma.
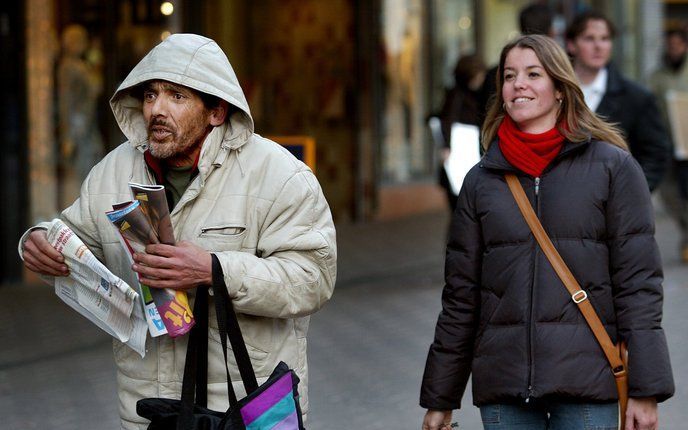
x: 232, y: 193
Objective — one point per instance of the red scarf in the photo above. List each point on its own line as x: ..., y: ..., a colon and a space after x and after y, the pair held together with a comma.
x: 529, y: 153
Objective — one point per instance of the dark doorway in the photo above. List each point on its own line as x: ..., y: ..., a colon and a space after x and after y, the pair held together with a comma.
x: 13, y: 192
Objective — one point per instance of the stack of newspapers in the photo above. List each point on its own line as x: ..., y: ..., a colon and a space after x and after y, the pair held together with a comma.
x: 105, y: 299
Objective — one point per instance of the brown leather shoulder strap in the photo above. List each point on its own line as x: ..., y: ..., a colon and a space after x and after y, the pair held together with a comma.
x: 578, y: 295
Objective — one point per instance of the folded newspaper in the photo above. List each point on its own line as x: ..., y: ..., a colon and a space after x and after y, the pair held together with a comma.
x: 144, y: 221
x: 105, y: 299
x: 94, y: 292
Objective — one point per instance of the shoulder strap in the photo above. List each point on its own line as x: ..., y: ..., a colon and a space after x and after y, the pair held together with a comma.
x: 195, y: 382
x: 228, y: 326
x: 578, y: 295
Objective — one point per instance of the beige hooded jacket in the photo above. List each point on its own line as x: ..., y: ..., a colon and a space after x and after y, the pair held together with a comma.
x: 254, y: 205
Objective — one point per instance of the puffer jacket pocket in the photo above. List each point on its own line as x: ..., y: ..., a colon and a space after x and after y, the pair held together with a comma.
x: 224, y: 231
x: 222, y: 236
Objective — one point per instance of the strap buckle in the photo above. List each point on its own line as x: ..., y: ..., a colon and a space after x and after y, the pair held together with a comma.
x: 579, y: 296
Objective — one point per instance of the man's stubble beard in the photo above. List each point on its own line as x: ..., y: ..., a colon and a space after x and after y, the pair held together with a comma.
x: 176, y: 145
x: 169, y: 148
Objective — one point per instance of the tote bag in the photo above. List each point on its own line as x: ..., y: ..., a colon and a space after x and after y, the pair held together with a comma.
x: 274, y: 405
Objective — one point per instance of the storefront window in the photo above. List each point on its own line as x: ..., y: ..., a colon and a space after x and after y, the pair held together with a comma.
x: 415, y: 79
x: 79, y: 90
x: 96, y: 45
x: 405, y: 151
x: 453, y: 38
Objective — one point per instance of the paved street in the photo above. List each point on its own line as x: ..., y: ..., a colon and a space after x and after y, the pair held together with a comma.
x: 367, y: 346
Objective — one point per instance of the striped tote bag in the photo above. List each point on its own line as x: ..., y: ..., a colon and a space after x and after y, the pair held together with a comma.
x: 274, y: 405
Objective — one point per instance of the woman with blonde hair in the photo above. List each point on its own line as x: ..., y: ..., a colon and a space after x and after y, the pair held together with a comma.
x: 506, y: 317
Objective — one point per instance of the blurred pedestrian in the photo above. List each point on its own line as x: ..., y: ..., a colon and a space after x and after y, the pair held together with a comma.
x: 673, y: 76
x: 535, y: 18
x: 506, y: 317
x: 633, y: 108
x: 461, y: 104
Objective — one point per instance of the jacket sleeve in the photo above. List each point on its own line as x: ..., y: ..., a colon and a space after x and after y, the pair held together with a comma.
x: 448, y: 364
x: 294, y: 271
x: 649, y: 142
x: 80, y: 218
x: 636, y: 275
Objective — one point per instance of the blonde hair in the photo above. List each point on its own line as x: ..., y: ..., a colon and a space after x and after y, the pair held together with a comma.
x: 575, y: 121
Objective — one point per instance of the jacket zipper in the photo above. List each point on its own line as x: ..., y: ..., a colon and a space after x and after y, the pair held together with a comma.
x: 532, y: 296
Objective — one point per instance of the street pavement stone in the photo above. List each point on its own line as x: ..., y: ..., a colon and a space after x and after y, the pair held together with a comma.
x: 367, y: 346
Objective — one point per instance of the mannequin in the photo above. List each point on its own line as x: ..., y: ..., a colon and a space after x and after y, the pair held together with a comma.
x: 79, y: 85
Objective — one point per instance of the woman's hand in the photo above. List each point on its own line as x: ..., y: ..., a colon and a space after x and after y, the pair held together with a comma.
x: 641, y: 414
x: 437, y: 420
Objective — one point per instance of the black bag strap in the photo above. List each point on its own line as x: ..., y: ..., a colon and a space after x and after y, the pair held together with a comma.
x: 196, y: 365
x: 195, y: 382
x: 228, y: 326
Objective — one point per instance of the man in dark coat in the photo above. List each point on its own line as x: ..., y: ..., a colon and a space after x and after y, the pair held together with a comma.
x: 612, y: 96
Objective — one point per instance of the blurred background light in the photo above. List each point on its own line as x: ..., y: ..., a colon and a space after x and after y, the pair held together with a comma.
x: 167, y: 8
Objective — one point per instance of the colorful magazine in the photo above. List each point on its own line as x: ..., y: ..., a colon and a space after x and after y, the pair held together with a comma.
x: 145, y: 221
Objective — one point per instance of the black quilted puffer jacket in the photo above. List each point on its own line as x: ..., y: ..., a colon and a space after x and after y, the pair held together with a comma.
x: 506, y: 317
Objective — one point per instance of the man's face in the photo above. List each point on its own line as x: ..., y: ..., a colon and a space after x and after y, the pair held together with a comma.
x: 177, y: 119
x: 593, y: 47
x: 676, y: 47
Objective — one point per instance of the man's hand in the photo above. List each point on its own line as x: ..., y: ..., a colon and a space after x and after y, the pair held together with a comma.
x: 40, y: 256
x: 180, y: 267
x: 437, y: 420
x: 641, y: 414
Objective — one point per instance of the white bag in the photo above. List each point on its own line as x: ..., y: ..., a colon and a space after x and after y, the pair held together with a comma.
x: 465, y: 153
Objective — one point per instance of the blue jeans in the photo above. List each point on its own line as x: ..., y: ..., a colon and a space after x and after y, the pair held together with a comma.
x: 551, y: 416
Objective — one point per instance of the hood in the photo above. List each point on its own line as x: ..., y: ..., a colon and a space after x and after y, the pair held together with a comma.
x: 195, y: 62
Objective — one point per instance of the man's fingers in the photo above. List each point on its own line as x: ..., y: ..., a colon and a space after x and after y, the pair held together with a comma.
x: 151, y: 272
x: 44, y: 266
x: 30, y: 266
x: 45, y: 263
x: 159, y: 283
x: 39, y: 240
x: 153, y: 261
x: 50, y: 263
x: 46, y: 248
x: 161, y: 250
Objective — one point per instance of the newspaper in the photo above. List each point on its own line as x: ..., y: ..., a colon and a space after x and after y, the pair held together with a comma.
x: 144, y: 221
x: 94, y: 292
